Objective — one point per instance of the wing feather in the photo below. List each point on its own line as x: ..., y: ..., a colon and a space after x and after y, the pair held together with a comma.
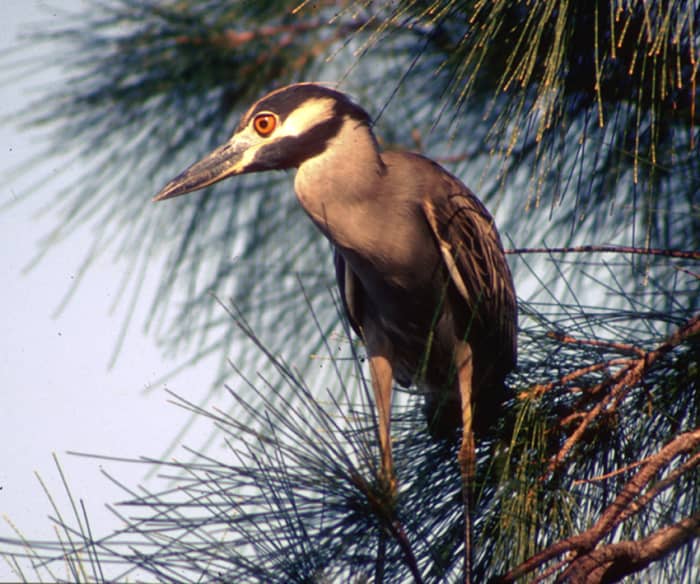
x: 473, y: 254
x: 350, y: 291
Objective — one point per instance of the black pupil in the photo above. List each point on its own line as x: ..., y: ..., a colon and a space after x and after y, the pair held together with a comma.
x: 264, y: 123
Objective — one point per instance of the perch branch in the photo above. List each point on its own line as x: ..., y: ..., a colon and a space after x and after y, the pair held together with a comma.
x: 622, y: 381
x: 614, y: 561
x: 629, y: 501
x: 671, y: 253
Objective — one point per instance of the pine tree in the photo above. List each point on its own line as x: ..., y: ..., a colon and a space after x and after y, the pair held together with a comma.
x: 575, y: 122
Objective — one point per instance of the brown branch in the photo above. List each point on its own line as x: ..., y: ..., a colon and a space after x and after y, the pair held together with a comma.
x: 688, y: 272
x: 658, y: 487
x: 232, y: 39
x: 549, y: 572
x: 672, y: 253
x: 623, y: 506
x: 609, y: 475
x: 612, y: 562
x: 627, y: 502
x: 538, y: 390
x: 690, y: 328
x: 617, y: 511
x: 623, y: 347
x: 623, y: 381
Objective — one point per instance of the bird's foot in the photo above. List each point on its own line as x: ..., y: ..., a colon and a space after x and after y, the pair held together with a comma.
x: 388, y: 484
x: 467, y: 458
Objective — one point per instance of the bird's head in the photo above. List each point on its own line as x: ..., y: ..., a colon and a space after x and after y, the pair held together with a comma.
x: 279, y: 131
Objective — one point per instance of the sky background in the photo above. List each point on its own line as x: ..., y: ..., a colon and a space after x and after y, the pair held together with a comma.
x: 58, y: 393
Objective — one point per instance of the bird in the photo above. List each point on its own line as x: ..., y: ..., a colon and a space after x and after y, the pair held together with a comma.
x: 419, y: 263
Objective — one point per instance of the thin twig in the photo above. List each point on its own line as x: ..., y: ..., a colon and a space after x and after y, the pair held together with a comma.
x: 540, y: 389
x: 672, y: 253
x: 624, y: 347
x: 609, y: 475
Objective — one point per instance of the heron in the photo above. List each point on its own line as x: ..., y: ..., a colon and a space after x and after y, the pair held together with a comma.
x: 419, y: 263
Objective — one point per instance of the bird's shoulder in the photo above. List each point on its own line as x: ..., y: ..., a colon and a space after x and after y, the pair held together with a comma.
x: 438, y: 188
x: 422, y: 165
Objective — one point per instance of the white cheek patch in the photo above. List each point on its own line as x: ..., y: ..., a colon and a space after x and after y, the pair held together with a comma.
x: 307, y: 115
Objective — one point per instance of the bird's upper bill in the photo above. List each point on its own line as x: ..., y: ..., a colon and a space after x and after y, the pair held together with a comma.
x: 226, y: 160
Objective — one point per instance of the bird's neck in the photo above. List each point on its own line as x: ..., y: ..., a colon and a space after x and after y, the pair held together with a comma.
x: 338, y: 186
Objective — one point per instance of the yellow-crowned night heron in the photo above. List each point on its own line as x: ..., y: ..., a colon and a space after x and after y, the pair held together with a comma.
x: 419, y: 262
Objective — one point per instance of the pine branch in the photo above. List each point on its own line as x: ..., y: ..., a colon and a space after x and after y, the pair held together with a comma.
x: 612, y: 562
x: 620, y: 384
x: 671, y: 253
x: 630, y: 500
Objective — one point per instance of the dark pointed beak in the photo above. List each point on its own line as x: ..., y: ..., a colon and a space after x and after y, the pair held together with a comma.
x: 227, y: 160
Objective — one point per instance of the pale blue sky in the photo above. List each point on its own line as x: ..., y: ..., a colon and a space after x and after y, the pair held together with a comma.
x: 57, y: 391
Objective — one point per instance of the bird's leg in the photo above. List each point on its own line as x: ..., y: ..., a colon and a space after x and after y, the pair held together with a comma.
x: 467, y: 451
x: 382, y: 373
x: 382, y: 378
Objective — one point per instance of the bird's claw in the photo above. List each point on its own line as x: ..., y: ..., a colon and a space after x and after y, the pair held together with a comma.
x: 390, y: 485
x: 387, y: 483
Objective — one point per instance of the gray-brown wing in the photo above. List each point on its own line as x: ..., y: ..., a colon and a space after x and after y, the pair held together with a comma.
x: 350, y: 291
x: 473, y: 254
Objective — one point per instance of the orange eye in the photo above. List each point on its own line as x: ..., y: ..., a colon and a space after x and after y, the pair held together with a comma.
x: 265, y: 124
